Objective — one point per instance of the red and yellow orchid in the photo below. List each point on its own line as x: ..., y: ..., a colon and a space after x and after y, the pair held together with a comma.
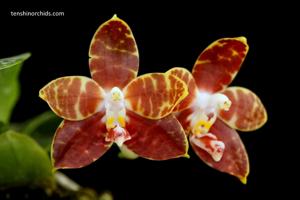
x: 212, y: 111
x: 115, y: 105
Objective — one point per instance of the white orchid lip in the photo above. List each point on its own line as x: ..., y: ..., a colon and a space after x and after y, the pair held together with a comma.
x: 115, y: 117
x: 118, y: 135
x: 210, y: 144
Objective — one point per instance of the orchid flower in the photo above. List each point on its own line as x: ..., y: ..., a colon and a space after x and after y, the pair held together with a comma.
x: 115, y: 106
x: 212, y: 111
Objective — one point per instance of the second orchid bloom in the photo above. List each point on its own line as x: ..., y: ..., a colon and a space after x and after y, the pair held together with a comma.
x: 212, y: 111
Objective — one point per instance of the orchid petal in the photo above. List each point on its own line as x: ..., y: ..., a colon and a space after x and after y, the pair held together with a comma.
x: 73, y: 97
x: 79, y: 143
x: 246, y: 113
x: 154, y: 95
x: 235, y: 158
x: 156, y: 139
x: 219, y: 63
x: 189, y: 80
x: 114, y: 58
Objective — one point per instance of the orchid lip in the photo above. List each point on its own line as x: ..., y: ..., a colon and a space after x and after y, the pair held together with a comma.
x: 210, y: 143
x: 206, y: 108
x: 115, y: 116
x: 118, y: 135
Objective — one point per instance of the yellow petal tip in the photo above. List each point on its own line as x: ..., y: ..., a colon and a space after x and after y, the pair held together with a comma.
x: 115, y: 16
x: 186, y: 155
x: 42, y: 94
x: 243, y: 180
x: 243, y: 39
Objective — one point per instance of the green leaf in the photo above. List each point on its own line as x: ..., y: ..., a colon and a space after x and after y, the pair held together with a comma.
x: 13, y: 61
x: 42, y: 128
x: 3, y: 127
x: 9, y: 84
x: 23, y: 162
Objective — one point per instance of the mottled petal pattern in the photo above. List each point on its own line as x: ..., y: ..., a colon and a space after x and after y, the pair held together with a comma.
x: 235, y: 158
x: 185, y: 120
x: 113, y: 54
x: 218, y: 64
x: 155, y: 95
x: 73, y: 97
x: 156, y: 139
x: 79, y: 143
x: 247, y: 113
x: 189, y: 80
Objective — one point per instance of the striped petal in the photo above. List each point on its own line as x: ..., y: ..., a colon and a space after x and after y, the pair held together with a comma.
x: 79, y: 143
x: 113, y: 54
x: 188, y: 78
x: 235, y: 158
x: 156, y: 139
x: 218, y: 64
x: 73, y: 97
x: 155, y: 95
x: 247, y: 113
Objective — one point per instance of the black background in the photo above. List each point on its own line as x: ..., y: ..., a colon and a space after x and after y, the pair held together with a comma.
x: 167, y: 35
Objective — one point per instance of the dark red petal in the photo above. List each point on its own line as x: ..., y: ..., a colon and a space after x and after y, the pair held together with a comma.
x: 113, y: 54
x: 79, y: 143
x: 246, y: 113
x: 189, y: 80
x: 235, y: 158
x: 183, y: 118
x: 218, y: 64
x: 156, y: 139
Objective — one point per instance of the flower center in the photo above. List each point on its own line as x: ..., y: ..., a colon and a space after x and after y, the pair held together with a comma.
x: 115, y: 117
x: 206, y: 109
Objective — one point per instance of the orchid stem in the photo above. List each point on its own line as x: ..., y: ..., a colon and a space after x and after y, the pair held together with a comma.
x: 65, y: 182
